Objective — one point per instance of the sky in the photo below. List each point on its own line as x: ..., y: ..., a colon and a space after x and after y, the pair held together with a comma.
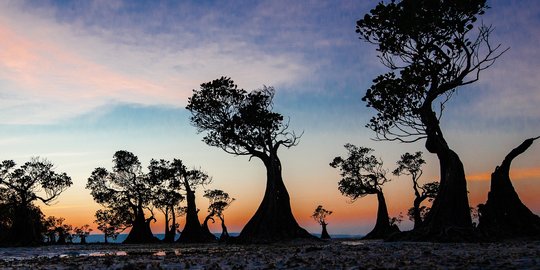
x: 80, y: 80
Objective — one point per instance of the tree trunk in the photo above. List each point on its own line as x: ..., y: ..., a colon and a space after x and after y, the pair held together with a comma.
x: 105, y: 237
x: 27, y: 228
x: 83, y: 239
x: 416, y: 212
x: 382, y: 229
x: 273, y: 220
x: 193, y: 231
x: 140, y: 230
x: 449, y: 218
x: 170, y: 228
x: 324, y: 234
x: 504, y: 215
x: 224, y: 233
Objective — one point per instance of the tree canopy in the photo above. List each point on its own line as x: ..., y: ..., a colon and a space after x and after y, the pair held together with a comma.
x: 361, y: 173
x: 127, y: 192
x: 237, y: 121
x: 432, y: 48
x: 20, y: 187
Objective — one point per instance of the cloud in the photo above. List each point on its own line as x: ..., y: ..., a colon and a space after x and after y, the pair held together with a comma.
x: 515, y: 174
x: 52, y: 70
x: 509, y: 89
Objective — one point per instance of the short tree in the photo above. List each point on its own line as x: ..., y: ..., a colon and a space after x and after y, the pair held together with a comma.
x: 431, y: 48
x: 411, y: 164
x: 127, y: 191
x: 319, y: 216
x: 109, y: 224
x: 363, y: 174
x: 167, y: 195
x: 82, y: 232
x: 243, y: 123
x: 190, y: 180
x: 219, y: 201
x: 35, y: 180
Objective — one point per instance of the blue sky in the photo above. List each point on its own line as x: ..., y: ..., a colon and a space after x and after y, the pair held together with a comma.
x: 82, y: 79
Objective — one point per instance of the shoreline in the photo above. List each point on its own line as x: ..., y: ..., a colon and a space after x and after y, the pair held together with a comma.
x: 332, y: 254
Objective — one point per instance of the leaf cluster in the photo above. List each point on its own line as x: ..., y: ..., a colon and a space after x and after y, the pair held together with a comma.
x: 219, y: 201
x: 320, y: 214
x: 361, y: 173
x: 34, y: 180
x: 237, y: 121
x: 431, y: 47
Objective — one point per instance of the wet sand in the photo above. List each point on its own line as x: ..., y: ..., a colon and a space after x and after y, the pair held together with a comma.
x: 334, y: 254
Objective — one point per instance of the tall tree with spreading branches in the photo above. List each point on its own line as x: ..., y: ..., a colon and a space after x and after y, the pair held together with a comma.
x: 243, y: 123
x: 411, y: 164
x: 433, y: 48
x: 504, y: 215
x: 363, y: 174
x: 127, y: 192
x: 34, y: 181
x: 320, y: 216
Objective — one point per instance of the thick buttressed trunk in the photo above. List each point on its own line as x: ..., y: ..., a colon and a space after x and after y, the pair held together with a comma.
x: 324, y: 234
x: 449, y: 218
x: 416, y: 212
x: 140, y: 230
x: 27, y: 228
x: 382, y: 229
x: 205, y: 228
x: 273, y: 220
x: 504, y: 215
x: 193, y: 231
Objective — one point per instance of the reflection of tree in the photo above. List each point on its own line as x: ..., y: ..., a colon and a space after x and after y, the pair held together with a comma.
x: 432, y: 48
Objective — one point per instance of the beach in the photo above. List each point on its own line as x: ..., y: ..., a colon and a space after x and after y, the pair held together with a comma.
x: 333, y: 254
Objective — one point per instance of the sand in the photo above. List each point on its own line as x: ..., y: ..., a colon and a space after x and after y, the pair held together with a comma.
x: 334, y: 254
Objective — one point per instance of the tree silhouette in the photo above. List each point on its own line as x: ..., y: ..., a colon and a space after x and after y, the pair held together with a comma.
x: 109, y: 224
x: 82, y: 232
x: 411, y: 164
x: 219, y: 201
x: 167, y: 196
x: 432, y: 48
x: 63, y: 231
x: 50, y: 224
x: 320, y: 215
x: 243, y: 123
x: 127, y: 191
x: 190, y: 180
x: 504, y: 215
x: 363, y: 174
x: 33, y: 181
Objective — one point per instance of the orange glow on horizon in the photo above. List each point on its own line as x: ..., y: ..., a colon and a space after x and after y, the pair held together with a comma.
x: 515, y: 174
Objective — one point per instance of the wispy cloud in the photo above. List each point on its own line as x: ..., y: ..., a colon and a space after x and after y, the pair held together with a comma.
x: 52, y: 70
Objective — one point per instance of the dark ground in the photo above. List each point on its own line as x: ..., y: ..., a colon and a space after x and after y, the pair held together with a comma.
x: 334, y: 254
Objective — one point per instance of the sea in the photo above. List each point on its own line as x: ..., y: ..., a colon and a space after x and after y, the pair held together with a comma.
x: 99, y: 238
